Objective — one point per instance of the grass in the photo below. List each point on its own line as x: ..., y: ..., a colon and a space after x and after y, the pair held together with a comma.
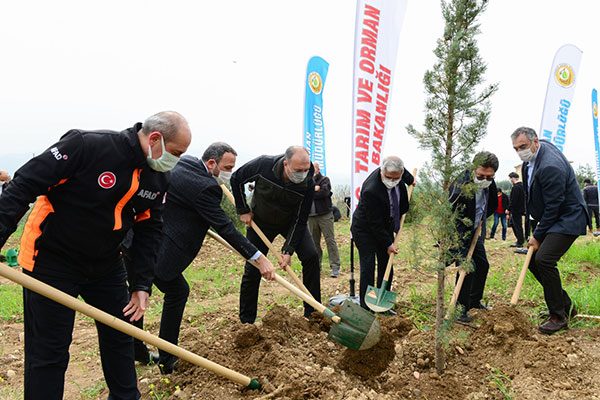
x: 90, y: 392
x: 502, y: 382
x: 11, y: 303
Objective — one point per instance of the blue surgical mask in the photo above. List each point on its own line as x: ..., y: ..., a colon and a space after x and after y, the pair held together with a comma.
x: 165, y: 162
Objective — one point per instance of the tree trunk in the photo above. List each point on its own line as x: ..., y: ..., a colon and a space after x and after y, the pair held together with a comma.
x: 439, y: 321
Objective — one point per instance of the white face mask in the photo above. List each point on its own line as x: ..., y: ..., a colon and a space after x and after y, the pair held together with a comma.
x: 297, y: 177
x: 390, y: 183
x: 165, y: 162
x: 482, y: 183
x: 526, y: 155
x: 223, y: 177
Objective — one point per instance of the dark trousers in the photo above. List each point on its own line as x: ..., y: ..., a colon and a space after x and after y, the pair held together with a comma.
x: 176, y: 294
x: 471, y: 292
x: 543, y: 268
x: 502, y: 218
x: 593, y: 211
x: 368, y: 250
x: 530, y: 225
x: 517, y: 226
x: 307, y: 253
x: 49, y: 329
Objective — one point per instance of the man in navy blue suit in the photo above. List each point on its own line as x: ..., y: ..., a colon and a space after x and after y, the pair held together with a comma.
x: 554, y: 201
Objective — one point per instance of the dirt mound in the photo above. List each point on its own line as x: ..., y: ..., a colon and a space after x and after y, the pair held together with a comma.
x: 504, y: 324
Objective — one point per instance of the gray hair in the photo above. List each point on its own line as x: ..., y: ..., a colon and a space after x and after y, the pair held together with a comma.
x: 216, y: 150
x: 528, y: 132
x: 392, y: 164
x: 168, y: 123
x: 290, y: 151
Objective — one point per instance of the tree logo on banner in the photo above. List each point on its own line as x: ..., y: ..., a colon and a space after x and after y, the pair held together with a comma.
x: 564, y: 75
x: 595, y: 109
x: 315, y: 82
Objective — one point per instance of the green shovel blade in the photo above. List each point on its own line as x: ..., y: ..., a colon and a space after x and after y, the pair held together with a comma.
x: 358, y: 329
x: 379, y: 299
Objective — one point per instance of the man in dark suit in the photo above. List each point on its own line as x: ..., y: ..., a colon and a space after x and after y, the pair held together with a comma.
x: 383, y: 200
x: 517, y: 208
x: 193, y: 204
x: 590, y: 196
x: 553, y: 200
x: 475, y: 208
x: 283, y: 194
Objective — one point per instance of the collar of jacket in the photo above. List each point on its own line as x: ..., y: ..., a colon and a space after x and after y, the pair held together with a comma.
x: 278, y: 172
x: 139, y: 158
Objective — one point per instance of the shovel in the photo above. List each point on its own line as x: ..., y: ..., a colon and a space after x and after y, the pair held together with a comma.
x: 260, y: 233
x: 122, y: 326
x: 380, y: 299
x: 517, y: 292
x: 463, y: 273
x: 354, y: 327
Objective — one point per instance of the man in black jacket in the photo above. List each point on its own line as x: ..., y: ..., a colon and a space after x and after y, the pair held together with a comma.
x: 193, y: 205
x: 553, y: 200
x: 517, y: 208
x: 590, y: 196
x: 383, y: 200
x: 475, y: 209
x: 93, y: 187
x: 283, y: 193
x: 320, y: 220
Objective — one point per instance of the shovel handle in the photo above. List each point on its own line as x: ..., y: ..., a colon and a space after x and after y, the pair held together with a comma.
x: 120, y: 325
x: 272, y: 248
x: 388, y: 268
x: 282, y: 281
x: 517, y: 292
x: 462, y: 274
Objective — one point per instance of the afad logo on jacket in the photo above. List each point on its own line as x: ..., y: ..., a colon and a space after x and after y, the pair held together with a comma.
x: 146, y: 194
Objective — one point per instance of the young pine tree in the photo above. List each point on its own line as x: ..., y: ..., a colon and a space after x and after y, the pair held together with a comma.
x: 457, y: 111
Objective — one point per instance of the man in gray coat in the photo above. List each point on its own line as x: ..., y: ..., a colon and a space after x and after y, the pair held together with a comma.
x: 553, y: 200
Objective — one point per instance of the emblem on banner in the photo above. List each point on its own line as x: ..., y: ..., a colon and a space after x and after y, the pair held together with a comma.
x: 315, y: 82
x: 595, y: 109
x: 564, y: 75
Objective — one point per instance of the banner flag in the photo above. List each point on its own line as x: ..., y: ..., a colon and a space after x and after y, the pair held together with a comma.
x: 314, y: 130
x: 377, y: 32
x: 596, y: 140
x: 559, y: 94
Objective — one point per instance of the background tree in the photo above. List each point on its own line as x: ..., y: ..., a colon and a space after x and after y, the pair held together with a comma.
x: 585, y: 172
x: 456, y: 120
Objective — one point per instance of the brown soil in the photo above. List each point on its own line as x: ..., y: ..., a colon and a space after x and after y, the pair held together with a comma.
x: 292, y: 357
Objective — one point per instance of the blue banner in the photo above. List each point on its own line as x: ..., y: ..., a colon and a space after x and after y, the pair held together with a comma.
x: 314, y: 129
x: 596, y: 141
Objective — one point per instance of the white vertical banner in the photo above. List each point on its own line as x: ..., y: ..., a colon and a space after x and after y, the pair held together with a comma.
x: 377, y: 31
x: 559, y: 94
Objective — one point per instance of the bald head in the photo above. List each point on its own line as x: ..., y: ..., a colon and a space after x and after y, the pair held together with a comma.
x: 296, y: 161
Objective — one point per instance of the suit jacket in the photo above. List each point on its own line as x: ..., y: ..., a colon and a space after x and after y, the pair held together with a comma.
x: 372, y: 215
x: 553, y: 196
x: 193, y: 204
x: 467, y: 207
x: 517, y: 199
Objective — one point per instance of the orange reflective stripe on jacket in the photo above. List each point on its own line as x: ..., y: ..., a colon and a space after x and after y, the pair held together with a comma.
x: 135, y: 184
x: 142, y: 216
x: 32, y: 231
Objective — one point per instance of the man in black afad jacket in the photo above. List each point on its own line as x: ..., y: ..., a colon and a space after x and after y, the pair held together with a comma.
x: 475, y: 209
x: 93, y: 187
x: 282, y: 196
x: 517, y: 208
x: 193, y: 205
x: 555, y: 202
x: 320, y: 220
x: 383, y: 200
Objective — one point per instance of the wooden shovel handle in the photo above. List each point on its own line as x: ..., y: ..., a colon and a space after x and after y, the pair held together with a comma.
x: 309, y: 299
x: 272, y: 248
x: 388, y: 268
x: 118, y: 324
x: 519, y: 287
x: 462, y: 274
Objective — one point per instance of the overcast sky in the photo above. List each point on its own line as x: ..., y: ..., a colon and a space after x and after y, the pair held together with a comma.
x: 236, y: 70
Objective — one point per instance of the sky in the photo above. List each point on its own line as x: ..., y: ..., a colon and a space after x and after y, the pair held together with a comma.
x: 236, y: 70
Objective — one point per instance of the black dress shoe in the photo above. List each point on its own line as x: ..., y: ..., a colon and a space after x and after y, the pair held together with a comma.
x: 464, y: 318
x: 143, y: 356
x: 482, y: 306
x: 571, y: 312
x: 169, y: 366
x: 553, y: 325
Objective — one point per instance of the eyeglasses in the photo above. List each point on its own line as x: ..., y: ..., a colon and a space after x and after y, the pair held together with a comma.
x: 487, y: 178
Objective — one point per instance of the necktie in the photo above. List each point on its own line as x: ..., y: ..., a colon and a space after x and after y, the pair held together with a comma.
x: 395, y: 209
